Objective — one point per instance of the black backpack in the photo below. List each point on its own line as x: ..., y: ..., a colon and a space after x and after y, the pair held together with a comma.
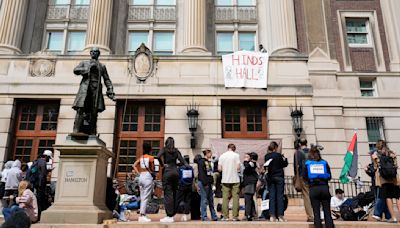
x: 387, y: 168
x: 32, y: 175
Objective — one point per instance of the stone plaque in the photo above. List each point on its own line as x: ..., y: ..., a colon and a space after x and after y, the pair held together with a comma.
x: 75, y: 180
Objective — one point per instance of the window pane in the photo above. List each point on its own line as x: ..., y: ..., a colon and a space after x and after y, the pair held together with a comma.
x: 55, y: 41
x: 28, y: 117
x: 82, y: 2
x: 247, y: 41
x: 357, y: 38
x: 245, y: 2
x: 136, y: 39
x: 50, y: 117
x: 76, y: 41
x: 152, y: 118
x: 254, y: 118
x: 367, y: 93
x: 140, y: 2
x: 375, y: 129
x: 224, y: 2
x: 356, y: 26
x: 163, y: 42
x: 59, y: 2
x: 366, y: 84
x: 165, y: 2
x: 127, y: 155
x: 45, y: 145
x: 155, y: 146
x: 23, y: 150
x: 130, y: 120
x: 232, y: 118
x: 224, y: 43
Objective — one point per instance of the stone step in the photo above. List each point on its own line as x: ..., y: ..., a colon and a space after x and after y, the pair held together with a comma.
x: 196, y: 224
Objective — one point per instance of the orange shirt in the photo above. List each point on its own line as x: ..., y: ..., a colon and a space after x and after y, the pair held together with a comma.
x: 146, y: 163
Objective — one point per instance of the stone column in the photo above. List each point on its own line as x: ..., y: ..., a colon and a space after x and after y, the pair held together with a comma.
x: 194, y: 39
x: 282, y: 26
x: 392, y: 28
x: 99, y: 25
x: 12, y: 22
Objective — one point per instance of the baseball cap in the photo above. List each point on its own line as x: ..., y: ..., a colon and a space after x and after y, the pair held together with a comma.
x: 48, y: 153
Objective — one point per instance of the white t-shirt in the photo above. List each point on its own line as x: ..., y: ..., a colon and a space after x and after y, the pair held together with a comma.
x: 229, y: 162
x: 336, y: 202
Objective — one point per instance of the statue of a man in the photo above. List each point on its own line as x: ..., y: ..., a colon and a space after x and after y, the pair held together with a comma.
x: 89, y: 100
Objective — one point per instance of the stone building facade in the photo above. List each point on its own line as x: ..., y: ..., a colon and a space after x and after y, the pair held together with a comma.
x: 339, y: 59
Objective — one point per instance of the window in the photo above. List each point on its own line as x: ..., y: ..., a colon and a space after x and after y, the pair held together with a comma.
x: 375, y: 130
x: 60, y: 2
x: 368, y: 88
x: 224, y: 43
x: 137, y: 123
x: 76, y: 41
x: 357, y: 31
x: 224, y: 2
x: 244, y: 119
x: 165, y: 2
x: 55, y: 41
x: 35, y: 129
x: 245, y: 2
x: 136, y: 39
x: 82, y: 2
x: 247, y: 41
x: 163, y: 43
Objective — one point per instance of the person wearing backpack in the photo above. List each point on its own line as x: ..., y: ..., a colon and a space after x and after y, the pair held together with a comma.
x: 317, y: 173
x: 250, y: 178
x: 386, y: 177
x: 168, y: 157
x: 205, y: 182
x: 184, y: 192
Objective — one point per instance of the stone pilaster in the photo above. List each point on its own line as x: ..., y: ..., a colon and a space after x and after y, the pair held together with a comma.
x: 194, y: 26
x: 282, y: 26
x: 99, y: 25
x: 392, y: 29
x: 12, y: 23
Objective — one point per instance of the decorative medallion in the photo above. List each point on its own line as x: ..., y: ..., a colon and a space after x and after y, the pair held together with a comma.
x: 142, y: 61
x: 42, y: 64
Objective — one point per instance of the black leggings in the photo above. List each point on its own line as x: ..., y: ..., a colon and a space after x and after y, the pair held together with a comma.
x: 170, y: 185
x: 320, y: 195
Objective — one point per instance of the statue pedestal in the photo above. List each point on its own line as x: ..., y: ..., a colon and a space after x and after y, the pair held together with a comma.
x: 81, y: 183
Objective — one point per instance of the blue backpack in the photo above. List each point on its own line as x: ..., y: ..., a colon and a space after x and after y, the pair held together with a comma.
x: 186, y: 175
x: 317, y: 170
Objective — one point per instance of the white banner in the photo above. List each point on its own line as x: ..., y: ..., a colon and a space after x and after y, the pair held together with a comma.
x: 246, y: 69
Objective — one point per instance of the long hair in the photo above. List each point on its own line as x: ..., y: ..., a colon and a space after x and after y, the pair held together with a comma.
x: 273, y: 146
x: 23, y: 185
x: 314, y: 154
x: 170, y: 145
x: 382, y: 148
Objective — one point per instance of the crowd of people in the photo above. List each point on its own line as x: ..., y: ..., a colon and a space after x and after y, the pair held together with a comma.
x: 24, y: 189
x: 249, y: 177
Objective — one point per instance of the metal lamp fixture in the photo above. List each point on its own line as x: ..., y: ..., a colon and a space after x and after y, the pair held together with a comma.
x: 297, y: 119
x: 193, y: 118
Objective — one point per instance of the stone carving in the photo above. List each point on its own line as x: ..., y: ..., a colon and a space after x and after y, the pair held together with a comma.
x: 143, y: 65
x: 143, y: 13
x: 42, y: 64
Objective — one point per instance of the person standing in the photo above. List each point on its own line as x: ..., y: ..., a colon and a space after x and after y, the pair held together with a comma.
x: 41, y: 184
x: 276, y: 182
x: 299, y: 159
x: 386, y: 177
x: 184, y: 191
x: 168, y: 157
x: 250, y: 178
x: 4, y: 174
x: 317, y: 173
x: 229, y: 165
x: 145, y: 167
x: 205, y: 183
x: 14, y: 176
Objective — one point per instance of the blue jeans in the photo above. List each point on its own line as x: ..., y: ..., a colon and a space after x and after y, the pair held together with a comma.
x: 276, y: 191
x: 207, y: 197
x: 9, y: 211
x: 380, y: 206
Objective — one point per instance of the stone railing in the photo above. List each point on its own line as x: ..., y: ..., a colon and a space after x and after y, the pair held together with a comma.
x: 152, y: 12
x: 236, y: 13
x: 68, y: 12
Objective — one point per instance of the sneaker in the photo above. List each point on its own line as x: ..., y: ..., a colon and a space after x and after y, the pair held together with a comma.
x: 143, y: 219
x: 377, y: 218
x: 310, y: 220
x: 281, y: 219
x: 392, y: 220
x: 184, y: 218
x: 235, y: 219
x: 167, y: 220
x: 272, y: 219
x: 224, y: 219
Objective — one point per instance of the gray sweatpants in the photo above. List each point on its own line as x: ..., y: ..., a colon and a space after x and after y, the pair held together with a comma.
x: 146, y: 188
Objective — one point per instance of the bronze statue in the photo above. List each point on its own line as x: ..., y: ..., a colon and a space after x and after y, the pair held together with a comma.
x: 89, y: 100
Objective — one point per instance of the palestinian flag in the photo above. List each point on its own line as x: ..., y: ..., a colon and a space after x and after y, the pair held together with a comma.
x: 349, y: 169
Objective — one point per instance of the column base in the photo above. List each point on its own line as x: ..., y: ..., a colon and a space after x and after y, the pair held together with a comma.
x: 7, y: 49
x: 103, y: 49
x: 195, y: 50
